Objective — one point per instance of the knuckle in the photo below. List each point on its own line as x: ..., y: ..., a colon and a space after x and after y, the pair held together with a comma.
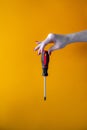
x: 51, y: 35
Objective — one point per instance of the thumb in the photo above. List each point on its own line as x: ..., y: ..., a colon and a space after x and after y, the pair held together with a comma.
x: 51, y: 49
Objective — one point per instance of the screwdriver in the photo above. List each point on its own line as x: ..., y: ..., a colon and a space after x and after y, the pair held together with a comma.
x: 45, y: 62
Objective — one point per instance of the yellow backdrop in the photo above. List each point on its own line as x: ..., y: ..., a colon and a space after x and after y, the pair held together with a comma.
x: 22, y: 22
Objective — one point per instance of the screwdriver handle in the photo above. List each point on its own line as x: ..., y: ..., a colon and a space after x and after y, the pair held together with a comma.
x: 45, y: 62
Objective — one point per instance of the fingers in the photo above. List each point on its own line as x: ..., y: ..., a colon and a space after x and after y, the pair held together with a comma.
x: 37, y: 42
x: 52, y: 49
x: 41, y: 45
x: 41, y: 49
x: 37, y: 47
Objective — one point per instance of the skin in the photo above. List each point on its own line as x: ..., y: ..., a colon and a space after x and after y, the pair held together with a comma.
x: 60, y: 41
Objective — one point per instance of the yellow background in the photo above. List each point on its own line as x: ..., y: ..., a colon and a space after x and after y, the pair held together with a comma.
x: 22, y: 22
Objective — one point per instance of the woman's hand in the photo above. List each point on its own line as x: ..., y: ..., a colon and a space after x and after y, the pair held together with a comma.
x: 59, y: 41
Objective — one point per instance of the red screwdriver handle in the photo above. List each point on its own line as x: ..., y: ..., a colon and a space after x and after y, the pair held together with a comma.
x: 45, y: 62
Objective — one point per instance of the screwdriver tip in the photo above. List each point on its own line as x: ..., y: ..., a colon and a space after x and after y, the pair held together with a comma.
x: 45, y: 98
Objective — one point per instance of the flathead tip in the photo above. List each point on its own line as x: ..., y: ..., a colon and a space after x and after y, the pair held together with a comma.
x: 45, y: 98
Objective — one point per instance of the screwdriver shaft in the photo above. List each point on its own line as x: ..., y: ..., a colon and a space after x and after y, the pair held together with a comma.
x: 44, y: 87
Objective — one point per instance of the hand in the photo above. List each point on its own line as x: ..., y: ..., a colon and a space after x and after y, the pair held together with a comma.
x: 59, y: 41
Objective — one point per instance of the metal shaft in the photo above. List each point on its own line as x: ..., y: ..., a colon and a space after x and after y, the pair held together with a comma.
x: 44, y: 87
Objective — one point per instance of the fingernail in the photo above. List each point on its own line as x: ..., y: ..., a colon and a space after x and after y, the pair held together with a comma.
x: 50, y: 53
x: 36, y: 41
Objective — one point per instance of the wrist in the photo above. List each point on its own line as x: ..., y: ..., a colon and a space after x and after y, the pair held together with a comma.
x: 71, y: 38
